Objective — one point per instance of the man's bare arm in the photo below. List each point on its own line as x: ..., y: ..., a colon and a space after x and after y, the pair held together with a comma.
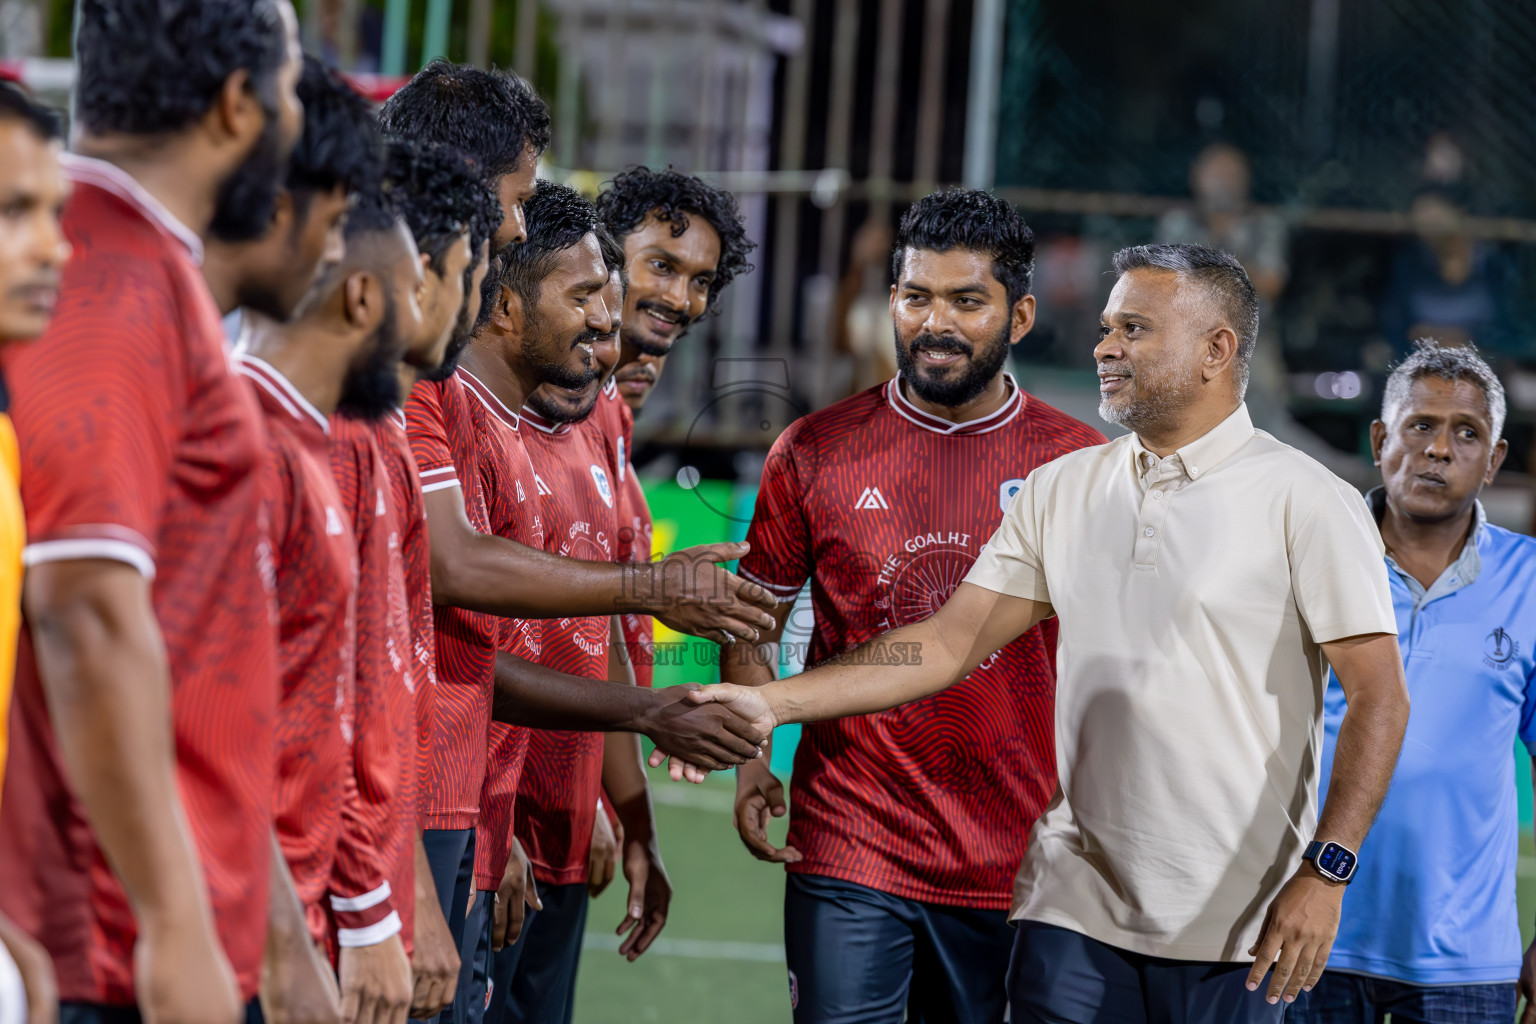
x: 686, y: 590
x: 1370, y: 670
x: 917, y: 661
x: 104, y: 672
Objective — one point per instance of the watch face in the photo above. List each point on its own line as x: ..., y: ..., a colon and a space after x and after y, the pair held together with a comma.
x: 1333, y: 859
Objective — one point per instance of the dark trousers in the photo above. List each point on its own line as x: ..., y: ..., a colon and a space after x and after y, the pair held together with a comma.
x: 1344, y: 998
x: 1059, y: 976
x: 97, y: 1013
x: 533, y: 981
x: 860, y: 956
x: 451, y: 857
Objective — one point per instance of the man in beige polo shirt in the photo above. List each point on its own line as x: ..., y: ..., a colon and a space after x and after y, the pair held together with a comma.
x: 1202, y: 573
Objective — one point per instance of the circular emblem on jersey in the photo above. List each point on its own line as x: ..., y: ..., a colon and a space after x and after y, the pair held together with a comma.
x: 619, y: 447
x: 601, y: 479
x: 1499, y: 648
x: 1005, y: 492
x: 920, y: 588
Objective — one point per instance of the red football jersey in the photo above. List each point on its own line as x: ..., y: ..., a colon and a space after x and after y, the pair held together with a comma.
x: 515, y: 508
x: 562, y: 779
x: 884, y: 508
x: 405, y: 498
x: 139, y: 443
x: 373, y: 889
x: 440, y: 421
x: 315, y: 559
x: 613, y: 418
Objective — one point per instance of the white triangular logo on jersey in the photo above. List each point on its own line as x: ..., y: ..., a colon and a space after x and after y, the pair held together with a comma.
x: 871, y: 498
x: 601, y: 479
x: 333, y: 527
x: 521, y: 497
x: 380, y: 509
x: 543, y: 487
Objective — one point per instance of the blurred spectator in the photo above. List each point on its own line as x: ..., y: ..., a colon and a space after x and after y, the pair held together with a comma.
x: 861, y: 313
x: 1223, y: 218
x: 1445, y: 284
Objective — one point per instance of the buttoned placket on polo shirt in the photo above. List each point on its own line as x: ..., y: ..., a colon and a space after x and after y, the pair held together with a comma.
x: 1160, y: 480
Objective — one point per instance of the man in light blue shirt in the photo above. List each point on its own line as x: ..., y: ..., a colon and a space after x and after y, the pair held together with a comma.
x: 1430, y: 929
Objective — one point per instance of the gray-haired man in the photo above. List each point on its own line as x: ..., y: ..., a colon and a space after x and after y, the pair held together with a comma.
x: 1431, y: 930
x: 1201, y: 572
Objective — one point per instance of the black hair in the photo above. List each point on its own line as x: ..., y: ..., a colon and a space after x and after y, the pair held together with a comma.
x: 491, y: 115
x: 340, y: 144
x: 558, y: 218
x: 442, y: 195
x: 372, y: 210
x: 1221, y: 274
x: 672, y: 197
x: 976, y: 221
x: 16, y: 104
x: 151, y: 66
x: 613, y: 254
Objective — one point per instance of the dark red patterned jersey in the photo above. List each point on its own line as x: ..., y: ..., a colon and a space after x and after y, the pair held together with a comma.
x: 140, y: 443
x: 613, y: 419
x: 516, y: 512
x: 373, y: 888
x: 884, y: 508
x: 440, y: 421
x: 404, y: 495
x: 562, y: 779
x: 315, y: 560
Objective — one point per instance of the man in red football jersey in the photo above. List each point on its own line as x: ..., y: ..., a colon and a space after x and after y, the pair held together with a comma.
x: 329, y: 810
x: 681, y: 242
x: 33, y: 253
x: 902, y: 844
x: 477, y: 577
x: 148, y: 677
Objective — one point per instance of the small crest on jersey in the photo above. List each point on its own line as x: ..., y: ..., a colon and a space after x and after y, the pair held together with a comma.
x: 1005, y: 492
x: 601, y: 479
x: 333, y: 527
x: 543, y: 488
x: 379, y: 509
x: 521, y: 496
x: 871, y: 499
x: 622, y: 459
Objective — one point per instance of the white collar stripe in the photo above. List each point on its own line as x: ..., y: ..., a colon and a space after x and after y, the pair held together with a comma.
x: 489, y: 400
x: 111, y: 178
x: 282, y: 389
x: 904, y: 407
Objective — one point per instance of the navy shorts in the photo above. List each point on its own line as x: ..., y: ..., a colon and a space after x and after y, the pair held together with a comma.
x: 533, y: 981
x: 1344, y: 998
x: 451, y: 856
x: 1059, y: 976
x: 96, y: 1013
x: 860, y: 956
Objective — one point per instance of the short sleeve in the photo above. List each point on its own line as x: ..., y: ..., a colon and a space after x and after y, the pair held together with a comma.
x: 1528, y: 714
x: 780, y: 557
x: 1338, y: 576
x: 1010, y: 561
x: 96, y: 405
x: 427, y: 430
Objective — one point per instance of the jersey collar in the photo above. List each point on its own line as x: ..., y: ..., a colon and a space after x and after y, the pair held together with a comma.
x: 270, y: 380
x: 904, y: 407
x: 488, y: 399
x: 545, y: 426
x: 111, y: 178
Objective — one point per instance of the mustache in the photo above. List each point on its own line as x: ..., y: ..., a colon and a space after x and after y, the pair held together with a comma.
x: 934, y: 343
x: 1120, y: 369
x: 635, y: 371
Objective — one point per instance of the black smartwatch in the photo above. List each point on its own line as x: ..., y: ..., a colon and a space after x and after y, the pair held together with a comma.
x: 1332, y: 861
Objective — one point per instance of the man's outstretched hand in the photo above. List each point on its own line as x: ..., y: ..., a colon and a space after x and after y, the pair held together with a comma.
x: 691, y: 594
x: 708, y: 736
x: 747, y: 703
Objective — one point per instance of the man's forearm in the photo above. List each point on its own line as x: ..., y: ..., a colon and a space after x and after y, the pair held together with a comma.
x: 485, y: 573
x: 625, y: 783
x: 1370, y: 736
x: 286, y: 926
x: 104, y: 672
x: 532, y: 695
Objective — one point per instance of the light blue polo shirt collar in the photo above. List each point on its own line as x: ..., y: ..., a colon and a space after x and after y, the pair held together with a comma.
x: 1461, y: 573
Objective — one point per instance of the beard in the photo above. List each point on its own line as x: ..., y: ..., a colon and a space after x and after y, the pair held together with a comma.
x: 557, y: 373
x: 1156, y: 393
x: 463, y: 334
x: 570, y: 411
x: 955, y: 389
x: 248, y: 198
x: 372, y: 389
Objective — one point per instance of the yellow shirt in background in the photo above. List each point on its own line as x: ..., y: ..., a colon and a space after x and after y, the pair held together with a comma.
x: 13, y: 537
